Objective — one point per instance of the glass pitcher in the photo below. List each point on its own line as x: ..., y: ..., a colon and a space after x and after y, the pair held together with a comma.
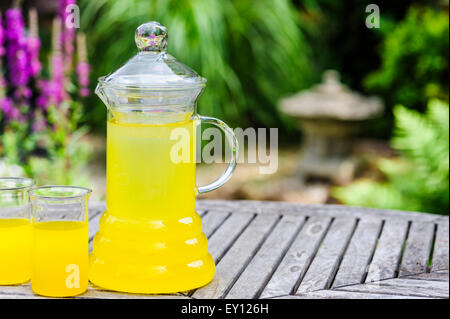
x: 150, y: 238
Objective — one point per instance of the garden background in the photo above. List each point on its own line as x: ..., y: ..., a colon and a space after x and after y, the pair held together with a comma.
x: 253, y: 54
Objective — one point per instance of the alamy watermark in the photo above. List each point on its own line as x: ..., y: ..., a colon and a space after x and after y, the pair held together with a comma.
x: 373, y: 18
x: 73, y: 279
x: 72, y: 16
x: 255, y: 146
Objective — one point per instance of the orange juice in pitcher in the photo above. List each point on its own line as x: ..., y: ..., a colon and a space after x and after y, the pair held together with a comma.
x: 150, y: 238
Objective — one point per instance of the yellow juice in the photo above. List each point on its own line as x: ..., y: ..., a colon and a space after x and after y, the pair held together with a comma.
x: 15, y: 251
x: 150, y: 238
x: 60, y: 258
x: 142, y: 179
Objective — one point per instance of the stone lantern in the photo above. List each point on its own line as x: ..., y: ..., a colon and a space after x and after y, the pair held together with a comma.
x: 329, y: 115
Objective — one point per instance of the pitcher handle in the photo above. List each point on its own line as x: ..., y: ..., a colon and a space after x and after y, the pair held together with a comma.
x: 232, y: 140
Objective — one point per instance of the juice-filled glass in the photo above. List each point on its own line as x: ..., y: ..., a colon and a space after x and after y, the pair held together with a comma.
x: 150, y: 238
x: 60, y: 240
x: 15, y: 230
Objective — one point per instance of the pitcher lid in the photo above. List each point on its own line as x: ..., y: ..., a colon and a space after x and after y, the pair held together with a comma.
x: 152, y: 67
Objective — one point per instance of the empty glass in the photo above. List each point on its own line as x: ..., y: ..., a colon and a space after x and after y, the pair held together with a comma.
x: 15, y: 230
x: 60, y: 240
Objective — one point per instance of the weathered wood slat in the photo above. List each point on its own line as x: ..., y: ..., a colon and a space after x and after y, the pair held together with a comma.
x: 96, y: 208
x: 388, y: 251
x: 93, y: 228
x: 266, y: 260
x: 298, y: 258
x: 359, y: 252
x: 418, y: 248
x: 226, y: 234
x: 212, y: 220
x: 232, y: 264
x: 441, y: 248
x: 285, y: 208
x: 439, y: 287
x: 95, y: 293
x: 324, y: 266
x: 25, y: 291
x: 19, y: 295
x: 335, y: 294
x: 432, y: 289
x: 429, y: 276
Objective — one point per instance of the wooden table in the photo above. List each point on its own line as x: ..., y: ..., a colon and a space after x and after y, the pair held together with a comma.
x: 286, y: 250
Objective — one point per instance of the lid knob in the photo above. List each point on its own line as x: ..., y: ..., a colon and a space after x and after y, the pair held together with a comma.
x: 151, y: 36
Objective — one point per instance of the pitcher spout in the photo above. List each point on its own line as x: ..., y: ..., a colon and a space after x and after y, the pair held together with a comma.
x: 101, y: 94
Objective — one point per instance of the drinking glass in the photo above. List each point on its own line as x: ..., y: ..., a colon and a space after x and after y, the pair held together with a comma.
x: 59, y: 219
x: 15, y: 230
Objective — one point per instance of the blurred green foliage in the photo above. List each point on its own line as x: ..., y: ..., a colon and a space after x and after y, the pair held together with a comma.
x: 56, y: 155
x: 419, y: 179
x: 415, y: 55
x: 340, y: 40
x: 66, y: 153
x: 251, y: 52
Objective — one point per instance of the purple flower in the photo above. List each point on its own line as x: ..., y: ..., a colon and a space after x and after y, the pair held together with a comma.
x: 7, y: 107
x: 22, y: 91
x: 83, y: 77
x: 53, y: 91
x: 82, y: 68
x: 56, y: 85
x: 39, y: 123
x: 2, y: 37
x: 67, y: 34
x: 17, y: 46
x: 33, y: 44
x: 42, y: 102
